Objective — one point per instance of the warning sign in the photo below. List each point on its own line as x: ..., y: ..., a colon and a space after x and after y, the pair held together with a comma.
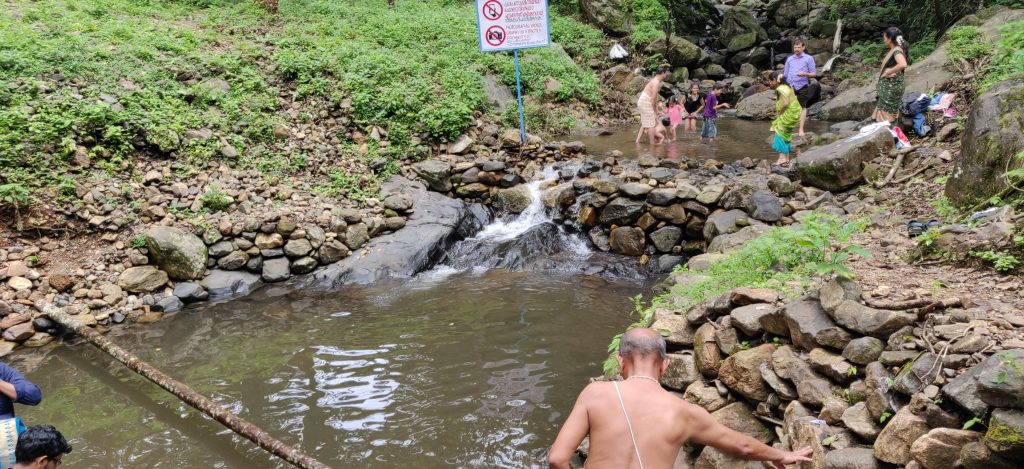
x: 512, y: 24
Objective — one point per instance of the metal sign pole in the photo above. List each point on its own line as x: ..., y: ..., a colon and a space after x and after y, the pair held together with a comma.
x: 519, y: 99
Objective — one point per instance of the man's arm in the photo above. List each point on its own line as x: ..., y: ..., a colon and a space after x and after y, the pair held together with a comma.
x: 576, y: 427
x: 19, y: 389
x: 710, y: 432
x: 785, y: 68
x: 812, y: 70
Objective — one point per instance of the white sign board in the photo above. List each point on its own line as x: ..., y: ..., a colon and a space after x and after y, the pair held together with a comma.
x: 512, y: 24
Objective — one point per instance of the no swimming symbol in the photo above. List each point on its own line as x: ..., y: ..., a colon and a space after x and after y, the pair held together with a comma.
x: 495, y: 35
x: 493, y: 10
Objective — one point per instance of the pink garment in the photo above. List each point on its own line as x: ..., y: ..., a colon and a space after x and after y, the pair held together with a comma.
x: 675, y: 114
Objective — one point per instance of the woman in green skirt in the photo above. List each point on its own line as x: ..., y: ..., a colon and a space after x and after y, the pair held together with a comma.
x: 890, y: 79
x: 787, y: 108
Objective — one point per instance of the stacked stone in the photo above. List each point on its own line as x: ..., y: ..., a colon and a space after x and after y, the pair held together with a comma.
x: 860, y: 385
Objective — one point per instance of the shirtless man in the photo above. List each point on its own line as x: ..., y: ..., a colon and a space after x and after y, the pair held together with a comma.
x: 659, y: 422
x: 648, y: 104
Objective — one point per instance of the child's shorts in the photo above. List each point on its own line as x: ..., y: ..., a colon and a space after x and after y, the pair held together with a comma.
x: 710, y: 127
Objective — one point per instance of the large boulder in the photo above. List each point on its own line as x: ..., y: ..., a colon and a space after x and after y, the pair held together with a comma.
x: 785, y: 13
x: 628, y: 240
x: 940, y: 447
x: 622, y: 211
x: 994, y: 134
x: 610, y: 15
x: 437, y: 174
x: 741, y: 372
x: 677, y: 51
x: 513, y: 199
x: 838, y: 165
x: 893, y: 443
x: 1005, y: 435
x: 758, y: 106
x: 181, y: 254
x: 878, y: 323
x: 738, y: 416
x: 1001, y: 381
x: 738, y: 21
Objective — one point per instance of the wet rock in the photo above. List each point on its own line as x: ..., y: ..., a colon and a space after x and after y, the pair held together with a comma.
x: 741, y: 372
x: 863, y: 350
x: 810, y: 327
x: 233, y: 261
x: 1001, y: 382
x: 622, y: 211
x: 894, y: 441
x: 38, y: 339
x: 940, y: 447
x: 276, y: 270
x: 169, y: 304
x: 665, y: 238
x: 303, y: 265
x: 332, y: 251
x: 221, y: 283
x: 681, y: 371
x: 858, y: 419
x: 1005, y: 435
x: 513, y: 200
x: 437, y: 174
x: 738, y: 416
x: 180, y: 254
x: 628, y: 240
x: 190, y: 292
x: 142, y: 279
x: 19, y: 333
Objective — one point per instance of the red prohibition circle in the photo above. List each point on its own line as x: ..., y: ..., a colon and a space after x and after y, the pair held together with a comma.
x: 495, y: 35
x: 493, y: 10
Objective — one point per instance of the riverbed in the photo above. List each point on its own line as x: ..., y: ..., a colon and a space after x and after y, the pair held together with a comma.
x: 467, y: 370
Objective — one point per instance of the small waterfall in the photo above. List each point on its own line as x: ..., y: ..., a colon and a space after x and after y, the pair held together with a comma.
x: 529, y: 240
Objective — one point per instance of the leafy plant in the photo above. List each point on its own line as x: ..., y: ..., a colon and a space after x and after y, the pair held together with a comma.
x: 215, y: 200
x: 139, y: 241
x: 965, y: 43
x: 1002, y: 261
x: 32, y: 260
x: 16, y: 197
x: 970, y: 423
x: 885, y: 416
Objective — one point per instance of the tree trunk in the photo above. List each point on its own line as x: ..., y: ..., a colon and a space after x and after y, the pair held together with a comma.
x: 185, y: 393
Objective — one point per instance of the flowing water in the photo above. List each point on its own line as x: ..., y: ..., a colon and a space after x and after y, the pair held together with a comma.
x: 737, y: 139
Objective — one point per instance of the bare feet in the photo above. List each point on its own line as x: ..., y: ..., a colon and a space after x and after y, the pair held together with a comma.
x: 782, y: 161
x: 801, y: 133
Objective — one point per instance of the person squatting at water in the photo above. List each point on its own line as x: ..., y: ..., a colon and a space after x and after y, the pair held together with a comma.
x: 788, y: 114
x: 634, y: 423
x: 648, y: 104
x: 15, y: 388
x: 41, y: 447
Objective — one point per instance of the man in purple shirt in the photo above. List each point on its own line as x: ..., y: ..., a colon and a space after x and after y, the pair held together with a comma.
x: 798, y: 71
x: 15, y: 388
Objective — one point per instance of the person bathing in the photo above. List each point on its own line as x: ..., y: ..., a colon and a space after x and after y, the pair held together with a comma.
x: 693, y: 103
x: 675, y: 115
x: 648, y: 103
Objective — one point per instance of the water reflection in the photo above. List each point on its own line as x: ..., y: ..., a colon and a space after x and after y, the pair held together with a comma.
x: 472, y: 371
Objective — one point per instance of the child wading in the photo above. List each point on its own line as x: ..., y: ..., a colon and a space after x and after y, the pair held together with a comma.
x: 710, y: 128
x: 788, y: 109
x: 694, y: 105
x: 675, y: 115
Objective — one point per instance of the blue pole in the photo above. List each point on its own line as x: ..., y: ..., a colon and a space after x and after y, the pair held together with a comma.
x: 519, y: 99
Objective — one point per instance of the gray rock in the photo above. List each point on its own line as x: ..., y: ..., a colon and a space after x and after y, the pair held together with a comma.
x: 437, y: 222
x: 635, y: 189
x: 460, y: 145
x: 559, y: 196
x: 1001, y: 383
x: 738, y: 417
x: 610, y: 15
x: 437, y: 174
x: 851, y: 458
x: 758, y: 106
x: 814, y: 391
x: 705, y: 396
x: 748, y: 318
x: 893, y: 442
x: 169, y: 304
x: 513, y: 199
x: 783, y: 389
x: 680, y: 331
x: 189, y: 292
x: 921, y: 372
x: 276, y: 270
x: 722, y: 223
x: 859, y: 421
x: 676, y: 50
x: 765, y: 206
x: 713, y: 458
x: 662, y: 197
x: 863, y: 350
x: 398, y: 202
x: 233, y: 261
x: 667, y: 237
x: 332, y: 251
x: 621, y: 211
x: 298, y: 247
x: 810, y: 327
x: 142, y: 279
x: 356, y: 236
x: 222, y: 283
x: 221, y: 249
x: 182, y: 255
x: 940, y: 447
x: 878, y: 323
x: 681, y: 371
x: 831, y: 365
x: 303, y: 265
x: 1005, y: 435
x: 837, y: 166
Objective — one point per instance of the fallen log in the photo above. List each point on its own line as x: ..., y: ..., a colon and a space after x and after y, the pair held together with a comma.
x: 200, y: 402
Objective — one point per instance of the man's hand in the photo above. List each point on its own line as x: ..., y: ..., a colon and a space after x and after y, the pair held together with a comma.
x: 793, y: 457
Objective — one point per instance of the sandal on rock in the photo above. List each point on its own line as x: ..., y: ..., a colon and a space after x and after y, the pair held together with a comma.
x: 915, y: 228
x: 932, y: 224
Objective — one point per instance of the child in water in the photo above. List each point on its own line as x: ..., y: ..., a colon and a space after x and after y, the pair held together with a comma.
x: 710, y: 128
x: 675, y: 115
x: 694, y: 106
x: 788, y: 110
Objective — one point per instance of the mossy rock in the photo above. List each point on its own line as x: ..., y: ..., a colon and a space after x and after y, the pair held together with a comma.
x: 1005, y: 435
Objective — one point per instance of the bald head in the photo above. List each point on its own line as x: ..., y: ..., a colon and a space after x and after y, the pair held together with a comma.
x: 642, y: 343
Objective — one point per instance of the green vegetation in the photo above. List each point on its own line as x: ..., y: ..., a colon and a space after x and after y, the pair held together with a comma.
x: 649, y: 19
x: 784, y: 258
x: 1008, y: 58
x: 139, y: 241
x: 17, y: 198
x: 1001, y: 260
x: 103, y: 80
x: 215, y: 200
x: 966, y: 43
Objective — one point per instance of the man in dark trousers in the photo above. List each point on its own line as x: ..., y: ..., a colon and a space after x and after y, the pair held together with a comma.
x: 15, y: 388
x: 798, y: 71
x: 634, y: 423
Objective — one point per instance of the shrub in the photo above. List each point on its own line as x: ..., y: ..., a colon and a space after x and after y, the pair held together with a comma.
x: 1008, y: 58
x: 966, y: 43
x: 215, y: 200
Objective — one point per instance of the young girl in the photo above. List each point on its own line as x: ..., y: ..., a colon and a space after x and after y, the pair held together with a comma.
x: 675, y: 115
x: 788, y: 110
x: 693, y: 105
